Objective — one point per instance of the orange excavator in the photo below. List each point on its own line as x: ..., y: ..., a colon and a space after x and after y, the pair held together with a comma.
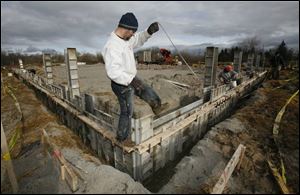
x: 167, y: 55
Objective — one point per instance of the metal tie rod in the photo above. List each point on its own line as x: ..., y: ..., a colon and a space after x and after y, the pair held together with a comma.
x: 177, y: 50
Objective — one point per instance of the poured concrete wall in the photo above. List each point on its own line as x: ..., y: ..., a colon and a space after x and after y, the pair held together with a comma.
x: 48, y: 67
x: 237, y: 61
x: 71, y: 63
x: 211, y: 62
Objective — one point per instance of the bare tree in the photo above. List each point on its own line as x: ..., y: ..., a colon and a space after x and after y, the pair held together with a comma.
x: 250, y: 44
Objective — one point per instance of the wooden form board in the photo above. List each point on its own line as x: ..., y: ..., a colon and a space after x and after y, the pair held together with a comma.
x: 205, y: 108
x: 156, y: 139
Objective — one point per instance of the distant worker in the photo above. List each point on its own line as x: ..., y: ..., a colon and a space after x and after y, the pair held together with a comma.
x: 228, y: 75
x: 121, y: 69
x: 277, y: 63
x: 167, y: 55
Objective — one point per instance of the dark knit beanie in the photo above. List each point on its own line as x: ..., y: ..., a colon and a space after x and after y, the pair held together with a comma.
x: 129, y: 21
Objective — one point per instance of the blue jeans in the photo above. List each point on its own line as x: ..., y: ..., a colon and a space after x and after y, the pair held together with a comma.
x: 125, y: 98
x: 148, y: 95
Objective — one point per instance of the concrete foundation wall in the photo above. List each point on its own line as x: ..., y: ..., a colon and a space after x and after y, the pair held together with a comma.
x: 157, y: 141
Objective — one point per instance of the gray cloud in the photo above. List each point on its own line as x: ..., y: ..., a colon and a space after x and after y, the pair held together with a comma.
x: 86, y: 25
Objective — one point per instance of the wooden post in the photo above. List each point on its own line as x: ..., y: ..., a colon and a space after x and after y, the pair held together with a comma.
x: 7, y: 161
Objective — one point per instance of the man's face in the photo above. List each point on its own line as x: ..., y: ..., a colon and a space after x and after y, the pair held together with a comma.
x: 128, y: 34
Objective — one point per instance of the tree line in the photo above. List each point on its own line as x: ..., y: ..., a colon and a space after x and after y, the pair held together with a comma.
x: 10, y: 58
x: 288, y: 54
x: 248, y: 46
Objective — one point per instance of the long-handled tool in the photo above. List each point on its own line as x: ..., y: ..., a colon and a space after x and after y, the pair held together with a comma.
x: 177, y: 50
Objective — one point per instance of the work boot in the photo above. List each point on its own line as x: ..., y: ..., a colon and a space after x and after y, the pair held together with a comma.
x: 159, y: 109
x: 128, y: 143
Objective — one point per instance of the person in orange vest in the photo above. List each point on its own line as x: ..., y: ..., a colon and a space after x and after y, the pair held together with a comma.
x: 227, y: 75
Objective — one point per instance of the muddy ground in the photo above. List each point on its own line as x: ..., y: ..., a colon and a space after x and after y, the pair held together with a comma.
x: 251, y: 125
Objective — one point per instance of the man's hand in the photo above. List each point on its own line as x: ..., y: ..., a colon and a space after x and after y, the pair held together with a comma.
x: 137, y: 84
x: 153, y: 28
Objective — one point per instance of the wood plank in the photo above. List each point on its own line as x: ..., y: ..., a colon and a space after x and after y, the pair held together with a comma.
x: 141, y: 148
x: 176, y: 113
x: 71, y: 178
x: 177, y: 83
x: 63, y: 172
x: 220, y: 185
x: 66, y: 172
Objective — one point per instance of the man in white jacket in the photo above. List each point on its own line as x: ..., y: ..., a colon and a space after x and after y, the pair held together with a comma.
x: 121, y: 69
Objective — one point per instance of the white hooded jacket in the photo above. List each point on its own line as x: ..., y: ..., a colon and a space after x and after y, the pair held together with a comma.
x: 119, y: 58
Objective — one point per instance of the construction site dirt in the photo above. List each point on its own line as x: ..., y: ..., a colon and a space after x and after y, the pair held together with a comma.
x: 197, y: 171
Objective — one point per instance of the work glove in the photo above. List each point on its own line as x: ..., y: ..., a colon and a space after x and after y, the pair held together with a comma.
x: 137, y: 84
x: 153, y: 28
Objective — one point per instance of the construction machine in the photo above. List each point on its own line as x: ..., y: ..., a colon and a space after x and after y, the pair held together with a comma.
x: 166, y: 55
x: 157, y: 56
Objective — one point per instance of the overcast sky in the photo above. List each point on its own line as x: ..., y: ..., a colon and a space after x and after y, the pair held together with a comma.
x: 87, y: 25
